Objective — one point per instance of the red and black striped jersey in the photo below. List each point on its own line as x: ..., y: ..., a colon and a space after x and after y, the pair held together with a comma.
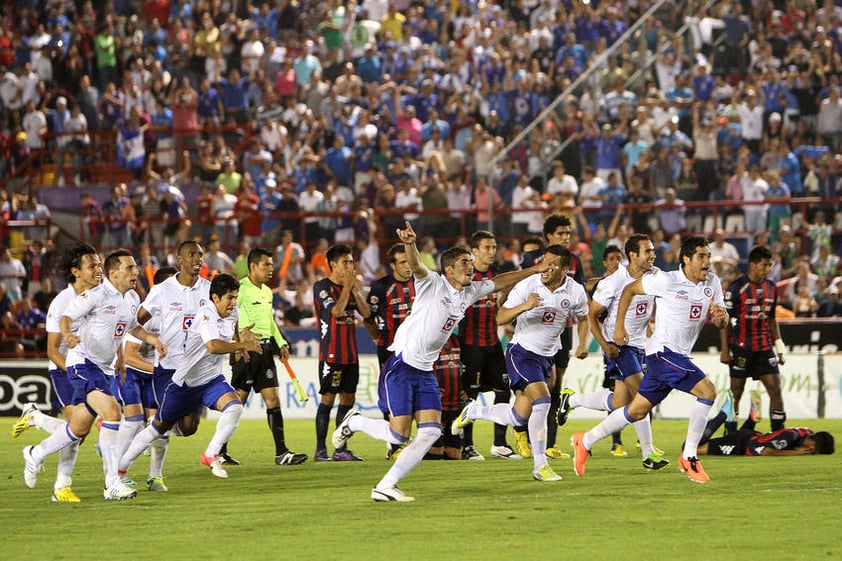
x: 448, y: 369
x: 784, y: 439
x: 390, y: 302
x: 479, y: 326
x: 337, y: 335
x: 751, y: 305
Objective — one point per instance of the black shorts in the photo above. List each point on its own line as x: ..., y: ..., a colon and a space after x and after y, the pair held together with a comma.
x: 485, y: 370
x: 562, y: 357
x: 260, y: 372
x: 448, y: 439
x: 732, y: 445
x: 338, y: 378
x: 752, y: 364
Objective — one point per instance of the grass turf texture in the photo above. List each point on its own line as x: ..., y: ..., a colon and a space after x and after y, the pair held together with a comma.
x: 754, y: 508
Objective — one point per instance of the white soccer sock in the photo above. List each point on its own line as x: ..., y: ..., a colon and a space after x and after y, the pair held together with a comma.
x: 157, y: 455
x: 225, y: 427
x: 538, y: 431
x: 412, y: 455
x: 129, y: 427
x: 614, y: 422
x: 66, y: 462
x: 500, y: 413
x: 644, y: 436
x: 41, y: 420
x: 108, y: 446
x: 599, y: 400
x: 53, y: 443
x: 376, y: 428
x: 140, y: 442
x: 696, y: 426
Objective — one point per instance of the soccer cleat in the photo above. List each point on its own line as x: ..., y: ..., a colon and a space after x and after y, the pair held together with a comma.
x: 463, y: 420
x: 564, y: 408
x: 23, y: 421
x: 215, y: 465
x: 226, y: 460
x: 755, y: 414
x: 545, y: 473
x: 343, y: 432
x: 471, y: 453
x: 321, y: 456
x: 505, y: 452
x: 156, y: 484
x: 345, y: 456
x: 128, y: 481
x: 555, y: 453
x: 693, y: 468
x: 393, y: 453
x: 118, y: 491
x: 619, y: 451
x: 290, y: 458
x: 65, y: 495
x: 728, y: 406
x: 522, y: 444
x: 31, y: 468
x: 655, y: 462
x: 389, y: 495
x: 580, y: 453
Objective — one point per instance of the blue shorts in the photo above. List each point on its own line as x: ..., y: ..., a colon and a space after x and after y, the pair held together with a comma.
x: 161, y: 379
x: 666, y: 371
x: 526, y: 367
x: 137, y: 388
x: 407, y: 389
x: 628, y: 363
x: 180, y: 401
x: 62, y: 387
x: 88, y: 377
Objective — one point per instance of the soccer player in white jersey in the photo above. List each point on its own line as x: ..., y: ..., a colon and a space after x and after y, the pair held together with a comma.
x: 198, y: 380
x: 623, y: 362
x: 105, y: 313
x: 174, y: 303
x: 411, y: 388
x: 683, y: 300
x: 542, y: 305
x: 82, y: 268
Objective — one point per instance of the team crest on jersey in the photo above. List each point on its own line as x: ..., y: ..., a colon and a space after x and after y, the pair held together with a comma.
x: 708, y: 292
x: 448, y: 325
x: 548, y: 317
x: 187, y: 321
x: 323, y: 294
x: 641, y: 308
x: 695, y: 311
x: 375, y: 299
x: 120, y: 329
x: 564, y: 303
x: 728, y: 295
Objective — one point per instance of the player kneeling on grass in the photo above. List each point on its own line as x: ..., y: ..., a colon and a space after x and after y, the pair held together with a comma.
x: 199, y: 381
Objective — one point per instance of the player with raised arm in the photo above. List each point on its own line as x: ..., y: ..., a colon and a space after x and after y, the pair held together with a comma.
x: 542, y: 305
x: 683, y: 300
x: 411, y: 389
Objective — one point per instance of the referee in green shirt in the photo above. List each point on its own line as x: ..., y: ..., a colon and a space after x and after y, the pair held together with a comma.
x: 259, y: 372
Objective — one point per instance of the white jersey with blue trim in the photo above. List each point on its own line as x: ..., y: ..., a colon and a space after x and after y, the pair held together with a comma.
x: 54, y: 313
x: 146, y: 351
x: 175, y: 306
x: 198, y: 366
x: 436, y: 311
x: 105, y: 316
x: 607, y: 294
x: 681, y: 309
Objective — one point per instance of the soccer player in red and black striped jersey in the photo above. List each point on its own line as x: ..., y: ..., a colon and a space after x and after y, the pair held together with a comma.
x: 336, y: 299
x: 752, y: 338
x: 448, y: 369
x: 482, y: 353
x: 390, y: 301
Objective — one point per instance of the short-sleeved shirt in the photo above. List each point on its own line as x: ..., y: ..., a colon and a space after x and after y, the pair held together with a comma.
x: 390, y: 302
x: 750, y: 305
x: 337, y: 335
x: 54, y: 313
x: 682, y: 308
x: 608, y: 293
x: 479, y: 327
x: 784, y: 439
x: 255, y: 305
x: 198, y: 366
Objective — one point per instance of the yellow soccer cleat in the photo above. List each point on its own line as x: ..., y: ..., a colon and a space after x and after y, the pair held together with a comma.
x: 619, y: 451
x: 65, y: 495
x: 555, y: 454
x: 23, y: 421
x: 522, y: 444
x: 545, y: 473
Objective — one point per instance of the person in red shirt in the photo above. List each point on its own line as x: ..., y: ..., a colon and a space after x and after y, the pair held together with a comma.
x: 247, y: 211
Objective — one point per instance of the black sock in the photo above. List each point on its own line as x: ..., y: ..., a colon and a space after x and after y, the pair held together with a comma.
x: 500, y: 430
x: 616, y: 439
x: 468, y: 435
x: 322, y: 422
x: 552, y: 423
x: 224, y: 449
x: 276, y: 425
x: 778, y: 418
x: 713, y: 425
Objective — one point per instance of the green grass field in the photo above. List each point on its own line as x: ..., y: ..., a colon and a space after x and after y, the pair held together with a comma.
x: 754, y: 508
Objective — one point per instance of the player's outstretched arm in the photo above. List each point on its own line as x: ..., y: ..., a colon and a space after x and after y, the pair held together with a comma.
x: 407, y: 237
x: 513, y: 277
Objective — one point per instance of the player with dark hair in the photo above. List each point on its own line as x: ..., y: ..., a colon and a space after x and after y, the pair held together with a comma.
x: 542, y: 305
x: 752, y: 338
x: 258, y: 371
x: 337, y: 298
x: 81, y: 267
x: 482, y: 353
x: 411, y: 389
x: 683, y: 300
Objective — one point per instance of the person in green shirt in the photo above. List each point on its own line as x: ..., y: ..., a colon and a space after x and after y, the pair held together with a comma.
x: 259, y: 371
x: 106, y: 55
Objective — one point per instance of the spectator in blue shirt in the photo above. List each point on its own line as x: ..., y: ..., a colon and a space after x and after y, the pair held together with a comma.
x: 210, y: 109
x: 370, y: 67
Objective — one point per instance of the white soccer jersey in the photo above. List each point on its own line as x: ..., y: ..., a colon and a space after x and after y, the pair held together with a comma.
x: 105, y: 316
x: 608, y: 293
x: 538, y: 329
x: 54, y: 313
x: 682, y: 307
x: 436, y: 311
x: 197, y: 365
x: 146, y: 351
x: 175, y: 306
